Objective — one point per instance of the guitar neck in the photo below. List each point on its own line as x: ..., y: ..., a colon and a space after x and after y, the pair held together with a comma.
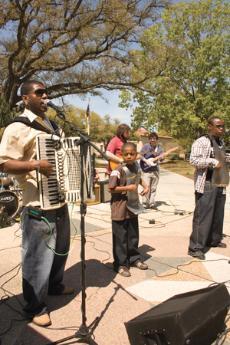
x: 173, y: 149
x: 164, y: 154
x: 113, y: 165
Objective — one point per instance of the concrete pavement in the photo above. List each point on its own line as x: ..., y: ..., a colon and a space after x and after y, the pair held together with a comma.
x: 111, y: 299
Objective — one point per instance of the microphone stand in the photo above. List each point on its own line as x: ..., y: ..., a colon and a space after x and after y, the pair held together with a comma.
x: 83, y: 332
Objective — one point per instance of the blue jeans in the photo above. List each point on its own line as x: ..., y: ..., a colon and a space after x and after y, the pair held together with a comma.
x: 208, y: 218
x: 42, y: 269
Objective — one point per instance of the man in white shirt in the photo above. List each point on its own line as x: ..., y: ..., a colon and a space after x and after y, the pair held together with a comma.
x: 45, y: 233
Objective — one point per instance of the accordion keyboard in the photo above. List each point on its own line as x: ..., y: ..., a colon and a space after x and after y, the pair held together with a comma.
x: 63, y: 185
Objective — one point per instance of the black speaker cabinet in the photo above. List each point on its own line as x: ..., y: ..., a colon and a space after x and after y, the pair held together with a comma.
x: 192, y: 318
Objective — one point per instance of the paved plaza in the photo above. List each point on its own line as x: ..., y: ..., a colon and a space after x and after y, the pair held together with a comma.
x: 113, y: 300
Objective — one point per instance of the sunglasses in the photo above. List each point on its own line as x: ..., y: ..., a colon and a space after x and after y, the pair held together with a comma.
x: 40, y: 92
x: 219, y: 126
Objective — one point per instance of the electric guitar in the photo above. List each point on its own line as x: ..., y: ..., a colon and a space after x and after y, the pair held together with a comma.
x: 113, y: 165
x: 153, y: 160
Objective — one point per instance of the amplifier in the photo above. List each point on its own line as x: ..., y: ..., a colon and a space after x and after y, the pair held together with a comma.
x: 104, y: 191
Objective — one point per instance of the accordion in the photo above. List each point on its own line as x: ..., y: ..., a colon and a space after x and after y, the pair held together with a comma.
x: 64, y: 184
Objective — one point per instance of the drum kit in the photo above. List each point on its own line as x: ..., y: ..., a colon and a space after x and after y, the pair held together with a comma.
x: 10, y: 198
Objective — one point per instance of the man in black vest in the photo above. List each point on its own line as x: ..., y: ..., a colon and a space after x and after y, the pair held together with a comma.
x: 211, y: 178
x: 45, y: 233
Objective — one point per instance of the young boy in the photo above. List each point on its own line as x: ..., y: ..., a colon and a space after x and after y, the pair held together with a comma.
x: 125, y: 207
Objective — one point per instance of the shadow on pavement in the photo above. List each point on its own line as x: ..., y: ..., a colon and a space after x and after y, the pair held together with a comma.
x: 13, y: 324
x: 144, y: 249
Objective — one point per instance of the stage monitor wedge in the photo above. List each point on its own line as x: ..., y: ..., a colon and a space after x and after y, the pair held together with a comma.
x: 192, y: 318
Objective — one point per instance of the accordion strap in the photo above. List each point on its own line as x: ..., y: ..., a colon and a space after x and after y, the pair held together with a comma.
x: 37, y: 125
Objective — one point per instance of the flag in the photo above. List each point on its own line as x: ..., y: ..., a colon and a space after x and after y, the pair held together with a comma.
x: 88, y: 111
x: 87, y: 115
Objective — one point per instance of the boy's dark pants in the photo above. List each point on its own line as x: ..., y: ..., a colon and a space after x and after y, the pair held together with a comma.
x: 125, y: 242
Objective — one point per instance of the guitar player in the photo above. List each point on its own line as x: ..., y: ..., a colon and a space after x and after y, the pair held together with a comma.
x: 151, y: 153
x: 113, y: 150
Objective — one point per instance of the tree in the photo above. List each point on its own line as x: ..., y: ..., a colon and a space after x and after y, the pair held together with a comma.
x: 75, y: 46
x: 101, y: 129
x: 6, y: 114
x: 191, y: 43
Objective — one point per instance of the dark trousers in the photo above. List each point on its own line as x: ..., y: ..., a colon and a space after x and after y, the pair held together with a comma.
x: 208, y: 218
x: 125, y: 242
x: 42, y: 269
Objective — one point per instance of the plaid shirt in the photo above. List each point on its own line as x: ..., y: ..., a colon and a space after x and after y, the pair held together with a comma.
x: 200, y: 159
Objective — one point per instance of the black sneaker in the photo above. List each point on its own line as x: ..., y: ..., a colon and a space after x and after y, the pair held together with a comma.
x: 198, y: 254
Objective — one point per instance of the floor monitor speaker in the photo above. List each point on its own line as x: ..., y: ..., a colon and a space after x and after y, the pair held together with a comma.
x: 192, y: 318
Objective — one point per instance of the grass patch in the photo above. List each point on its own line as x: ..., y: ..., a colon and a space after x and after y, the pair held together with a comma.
x: 179, y: 167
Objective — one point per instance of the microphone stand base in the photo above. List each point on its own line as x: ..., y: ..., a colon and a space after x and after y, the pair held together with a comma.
x: 82, y: 336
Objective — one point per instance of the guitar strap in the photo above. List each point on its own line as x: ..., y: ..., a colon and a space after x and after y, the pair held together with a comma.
x: 150, y: 151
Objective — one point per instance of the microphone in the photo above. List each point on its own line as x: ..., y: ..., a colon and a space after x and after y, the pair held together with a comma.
x: 60, y: 112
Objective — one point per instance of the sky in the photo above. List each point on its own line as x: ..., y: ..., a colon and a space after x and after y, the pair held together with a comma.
x: 106, y: 105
